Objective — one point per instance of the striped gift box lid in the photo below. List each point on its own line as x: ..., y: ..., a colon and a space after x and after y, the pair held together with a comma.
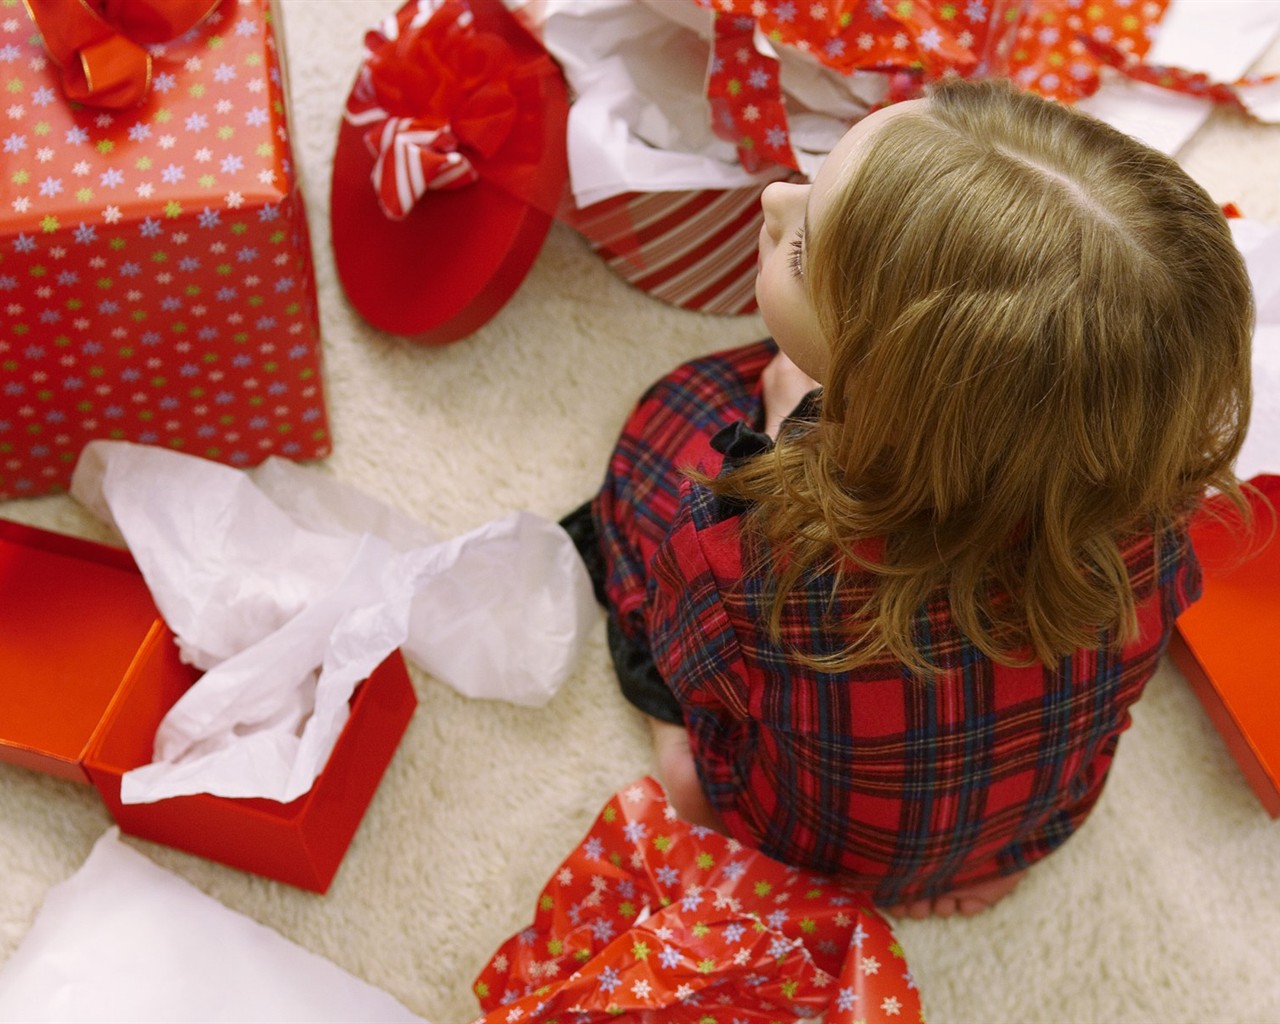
x: 696, y: 250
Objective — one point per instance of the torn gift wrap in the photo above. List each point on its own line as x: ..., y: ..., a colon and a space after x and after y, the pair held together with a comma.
x: 156, y: 282
x: 653, y: 919
x: 906, y: 45
x: 1060, y: 50
x: 288, y: 619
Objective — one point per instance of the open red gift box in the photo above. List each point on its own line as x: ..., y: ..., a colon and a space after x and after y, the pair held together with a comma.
x: 89, y: 669
x: 1227, y: 644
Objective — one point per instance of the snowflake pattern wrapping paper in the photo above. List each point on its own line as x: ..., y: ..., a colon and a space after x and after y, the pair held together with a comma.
x: 662, y: 921
x: 156, y: 282
x: 1042, y: 46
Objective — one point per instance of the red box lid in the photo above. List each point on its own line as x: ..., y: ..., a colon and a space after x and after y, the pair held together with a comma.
x: 1231, y: 633
x: 73, y: 615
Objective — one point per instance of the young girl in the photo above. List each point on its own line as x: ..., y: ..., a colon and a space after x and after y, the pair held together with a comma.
x: 899, y: 643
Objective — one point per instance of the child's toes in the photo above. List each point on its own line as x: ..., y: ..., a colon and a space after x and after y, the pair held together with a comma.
x: 917, y: 910
x: 944, y: 906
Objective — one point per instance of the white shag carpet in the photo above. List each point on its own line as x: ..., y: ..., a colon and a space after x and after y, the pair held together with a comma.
x: 1165, y: 907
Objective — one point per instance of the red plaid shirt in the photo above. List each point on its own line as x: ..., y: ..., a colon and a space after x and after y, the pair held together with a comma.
x: 907, y: 787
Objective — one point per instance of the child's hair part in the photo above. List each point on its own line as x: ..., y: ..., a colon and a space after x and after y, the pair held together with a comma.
x: 1039, y: 345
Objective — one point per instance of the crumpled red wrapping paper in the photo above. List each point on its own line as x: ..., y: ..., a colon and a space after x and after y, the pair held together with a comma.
x: 1051, y: 47
x: 663, y: 921
x: 1041, y: 46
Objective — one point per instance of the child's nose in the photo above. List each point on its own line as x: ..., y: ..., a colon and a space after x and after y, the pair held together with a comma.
x: 782, y: 202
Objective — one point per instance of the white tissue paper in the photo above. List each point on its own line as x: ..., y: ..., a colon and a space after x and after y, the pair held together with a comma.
x: 1260, y: 244
x: 123, y: 940
x: 640, y: 121
x: 1222, y: 39
x: 291, y: 590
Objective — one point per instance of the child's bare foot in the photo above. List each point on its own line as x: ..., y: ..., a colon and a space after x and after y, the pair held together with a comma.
x: 679, y: 776
x: 965, y: 901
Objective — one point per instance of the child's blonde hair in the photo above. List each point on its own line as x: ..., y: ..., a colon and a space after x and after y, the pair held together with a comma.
x: 1039, y: 337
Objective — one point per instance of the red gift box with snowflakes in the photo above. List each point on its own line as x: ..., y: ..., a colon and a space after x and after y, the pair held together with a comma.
x: 156, y: 282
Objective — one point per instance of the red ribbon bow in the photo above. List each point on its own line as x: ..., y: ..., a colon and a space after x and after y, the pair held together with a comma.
x: 440, y: 99
x: 99, y: 45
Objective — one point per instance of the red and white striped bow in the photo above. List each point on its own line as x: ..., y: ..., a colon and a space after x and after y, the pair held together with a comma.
x: 435, y: 99
x: 410, y: 157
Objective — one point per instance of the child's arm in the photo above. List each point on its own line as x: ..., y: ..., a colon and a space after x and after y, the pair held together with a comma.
x: 679, y: 777
x: 784, y: 385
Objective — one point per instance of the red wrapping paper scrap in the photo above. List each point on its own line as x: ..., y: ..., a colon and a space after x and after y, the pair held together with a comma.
x: 1042, y: 45
x: 1192, y: 83
x: 746, y: 98
x: 668, y: 922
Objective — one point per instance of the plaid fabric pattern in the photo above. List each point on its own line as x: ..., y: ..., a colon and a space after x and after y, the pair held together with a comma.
x: 669, y: 431
x: 907, y: 787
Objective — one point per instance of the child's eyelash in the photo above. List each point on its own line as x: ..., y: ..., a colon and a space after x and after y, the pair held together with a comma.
x: 797, y: 255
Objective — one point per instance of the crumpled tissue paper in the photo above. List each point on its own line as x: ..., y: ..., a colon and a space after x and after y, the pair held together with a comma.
x: 288, y: 589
